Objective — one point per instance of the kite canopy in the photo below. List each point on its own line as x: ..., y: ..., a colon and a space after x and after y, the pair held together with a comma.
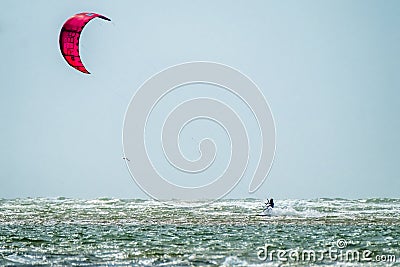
x: 69, y: 38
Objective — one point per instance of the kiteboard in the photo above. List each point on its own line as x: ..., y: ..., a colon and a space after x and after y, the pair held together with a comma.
x: 266, y: 212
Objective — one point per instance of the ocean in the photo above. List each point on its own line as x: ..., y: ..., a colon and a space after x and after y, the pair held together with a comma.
x: 124, y: 232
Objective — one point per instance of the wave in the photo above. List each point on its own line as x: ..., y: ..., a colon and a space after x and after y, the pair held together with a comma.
x: 289, y: 211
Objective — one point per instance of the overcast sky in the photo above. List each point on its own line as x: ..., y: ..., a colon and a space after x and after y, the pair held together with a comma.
x: 329, y: 70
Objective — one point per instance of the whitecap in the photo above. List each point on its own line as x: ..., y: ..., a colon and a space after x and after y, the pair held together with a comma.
x: 234, y: 261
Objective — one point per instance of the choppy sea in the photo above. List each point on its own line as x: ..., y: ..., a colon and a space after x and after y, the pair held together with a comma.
x: 119, y: 232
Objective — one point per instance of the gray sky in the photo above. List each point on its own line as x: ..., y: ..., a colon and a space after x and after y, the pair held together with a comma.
x: 329, y: 70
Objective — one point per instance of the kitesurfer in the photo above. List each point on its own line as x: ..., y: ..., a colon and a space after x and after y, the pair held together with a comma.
x: 270, y: 203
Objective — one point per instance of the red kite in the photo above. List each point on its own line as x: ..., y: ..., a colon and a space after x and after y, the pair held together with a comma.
x: 69, y: 38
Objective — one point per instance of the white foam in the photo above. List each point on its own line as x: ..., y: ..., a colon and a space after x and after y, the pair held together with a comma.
x: 289, y: 211
x: 234, y: 261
